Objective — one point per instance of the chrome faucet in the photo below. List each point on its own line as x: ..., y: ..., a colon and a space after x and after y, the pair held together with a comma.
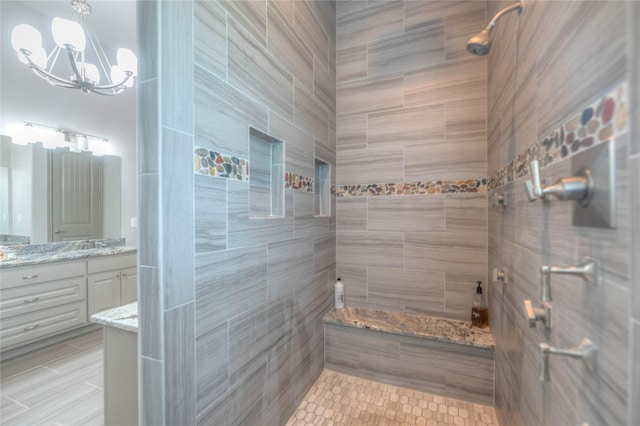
x: 588, y: 269
x: 570, y: 188
x: 586, y: 351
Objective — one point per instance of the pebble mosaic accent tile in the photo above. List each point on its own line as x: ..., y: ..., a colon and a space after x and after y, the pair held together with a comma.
x: 215, y: 164
x: 597, y: 123
x: 297, y: 182
x: 339, y: 399
x: 411, y: 188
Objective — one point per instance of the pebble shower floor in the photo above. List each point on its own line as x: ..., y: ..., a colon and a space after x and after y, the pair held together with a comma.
x: 339, y: 399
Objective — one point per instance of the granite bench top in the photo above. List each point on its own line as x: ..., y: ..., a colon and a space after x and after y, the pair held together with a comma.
x: 124, y: 317
x: 420, y: 326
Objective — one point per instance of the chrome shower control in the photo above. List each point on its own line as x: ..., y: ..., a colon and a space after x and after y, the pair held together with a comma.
x: 588, y: 269
x: 500, y: 199
x: 578, y: 187
x: 586, y: 351
x: 500, y: 275
x: 533, y: 315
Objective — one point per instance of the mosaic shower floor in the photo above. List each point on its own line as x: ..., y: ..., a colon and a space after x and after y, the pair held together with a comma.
x: 339, y: 399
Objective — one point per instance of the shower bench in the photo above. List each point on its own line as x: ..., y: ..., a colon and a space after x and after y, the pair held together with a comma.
x: 429, y: 354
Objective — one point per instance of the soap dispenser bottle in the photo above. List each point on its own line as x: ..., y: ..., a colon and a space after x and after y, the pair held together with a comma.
x: 479, y: 310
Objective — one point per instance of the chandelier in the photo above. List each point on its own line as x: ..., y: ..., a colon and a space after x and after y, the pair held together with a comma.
x: 79, y: 43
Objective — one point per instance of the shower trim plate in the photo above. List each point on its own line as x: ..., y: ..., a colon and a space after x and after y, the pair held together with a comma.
x: 600, y: 211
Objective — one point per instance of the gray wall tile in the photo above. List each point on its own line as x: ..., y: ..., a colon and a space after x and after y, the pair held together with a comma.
x: 251, y: 15
x: 177, y: 218
x: 406, y: 213
x: 209, y: 32
x: 351, y: 132
x: 290, y: 263
x: 298, y: 145
x: 151, y: 392
x: 370, y: 95
x: 150, y: 312
x: 311, y: 117
x: 448, y: 160
x: 406, y: 290
x: 307, y: 27
x: 150, y: 247
x: 418, y: 48
x: 372, y: 165
x: 383, y: 249
x: 287, y: 47
x: 359, y: 23
x: 324, y: 252
x: 450, y: 81
x: 466, y: 212
x: 179, y: 361
x: 351, y: 63
x: 223, y: 115
x: 354, y: 279
x: 177, y: 74
x: 446, y: 252
x: 351, y: 214
x: 420, y: 125
x: 257, y: 73
x: 210, y: 213
x: 212, y: 360
x: 229, y: 283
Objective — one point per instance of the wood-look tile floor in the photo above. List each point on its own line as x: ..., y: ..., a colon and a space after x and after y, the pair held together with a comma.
x: 339, y: 399
x: 60, y: 385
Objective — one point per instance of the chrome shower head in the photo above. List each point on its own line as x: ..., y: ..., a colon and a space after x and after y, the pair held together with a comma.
x: 481, y: 44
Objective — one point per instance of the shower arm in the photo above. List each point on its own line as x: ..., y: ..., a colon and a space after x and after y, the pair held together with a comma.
x: 515, y: 6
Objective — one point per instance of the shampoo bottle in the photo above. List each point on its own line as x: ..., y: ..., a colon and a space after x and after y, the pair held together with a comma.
x: 479, y: 310
x: 339, y: 294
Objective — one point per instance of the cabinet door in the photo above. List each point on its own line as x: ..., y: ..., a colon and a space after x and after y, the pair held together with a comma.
x: 103, y: 291
x: 129, y: 286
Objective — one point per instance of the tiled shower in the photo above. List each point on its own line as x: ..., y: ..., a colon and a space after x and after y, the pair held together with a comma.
x: 415, y: 135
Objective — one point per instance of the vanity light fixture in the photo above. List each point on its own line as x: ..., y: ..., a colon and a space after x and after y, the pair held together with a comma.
x: 53, y: 137
x: 72, y: 38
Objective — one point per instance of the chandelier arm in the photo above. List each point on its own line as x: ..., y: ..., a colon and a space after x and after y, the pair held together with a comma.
x: 115, y: 86
x: 74, y: 66
x: 47, y: 75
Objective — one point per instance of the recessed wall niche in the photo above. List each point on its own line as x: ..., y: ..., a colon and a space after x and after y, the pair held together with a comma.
x: 322, y: 190
x: 266, y: 176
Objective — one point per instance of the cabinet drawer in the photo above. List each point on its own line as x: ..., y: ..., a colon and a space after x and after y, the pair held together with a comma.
x: 110, y: 263
x: 29, y: 298
x: 13, y: 277
x: 44, y: 323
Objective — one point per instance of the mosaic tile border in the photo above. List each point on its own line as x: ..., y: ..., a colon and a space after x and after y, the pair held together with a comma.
x: 297, y: 182
x: 411, y: 188
x: 212, y: 163
x: 597, y: 123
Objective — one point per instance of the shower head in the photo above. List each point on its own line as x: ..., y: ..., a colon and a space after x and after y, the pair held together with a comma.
x: 481, y: 44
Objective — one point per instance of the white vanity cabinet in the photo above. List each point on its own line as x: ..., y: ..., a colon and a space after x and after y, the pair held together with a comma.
x: 37, y: 302
x: 112, y: 282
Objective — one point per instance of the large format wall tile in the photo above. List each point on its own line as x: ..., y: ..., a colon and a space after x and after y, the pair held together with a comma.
x: 444, y: 160
x: 212, y: 358
x: 351, y: 63
x: 420, y: 125
x: 383, y: 249
x: 252, y: 15
x: 374, y: 165
x: 209, y: 32
x: 351, y: 132
x: 228, y: 283
x: 298, y: 145
x: 406, y: 214
x: 358, y: 22
x: 257, y: 73
x: 419, y: 48
x: 288, y: 48
x: 290, y: 263
x: 370, y: 95
x: 211, y: 214
x: 310, y: 114
x: 406, y: 290
x: 446, y: 252
x: 223, y: 115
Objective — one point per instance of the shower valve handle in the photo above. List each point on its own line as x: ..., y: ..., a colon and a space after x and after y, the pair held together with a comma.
x: 578, y: 187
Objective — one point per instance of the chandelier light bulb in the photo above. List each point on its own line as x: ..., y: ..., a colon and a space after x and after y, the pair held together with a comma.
x: 118, y: 74
x: 67, y: 32
x: 90, y: 72
x: 26, y: 37
x: 127, y: 60
x: 39, y: 57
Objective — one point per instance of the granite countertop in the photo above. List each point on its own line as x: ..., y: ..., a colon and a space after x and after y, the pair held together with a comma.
x: 57, y: 256
x: 432, y: 328
x: 123, y: 317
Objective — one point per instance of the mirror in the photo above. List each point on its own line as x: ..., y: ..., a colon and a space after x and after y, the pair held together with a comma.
x: 57, y: 195
x: 26, y: 97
